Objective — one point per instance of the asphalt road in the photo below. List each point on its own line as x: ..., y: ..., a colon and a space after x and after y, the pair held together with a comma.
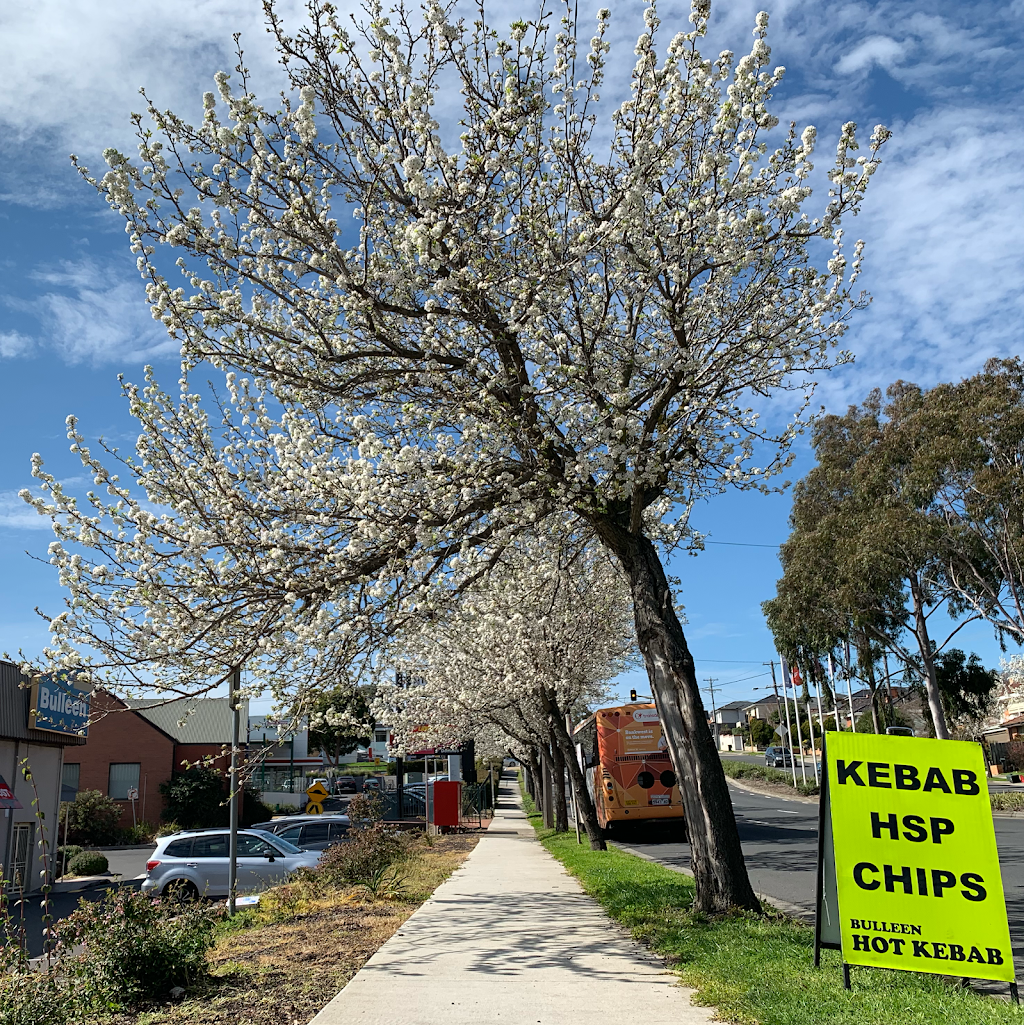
x: 780, y: 844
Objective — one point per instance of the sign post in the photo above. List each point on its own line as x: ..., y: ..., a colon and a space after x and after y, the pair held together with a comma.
x: 133, y: 796
x: 908, y: 870
x: 317, y: 794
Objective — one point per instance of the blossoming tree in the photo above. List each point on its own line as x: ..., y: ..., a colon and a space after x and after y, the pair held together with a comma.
x: 531, y: 310
x: 534, y: 644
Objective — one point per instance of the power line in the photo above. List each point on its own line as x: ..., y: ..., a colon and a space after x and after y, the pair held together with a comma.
x: 741, y: 544
x: 738, y: 661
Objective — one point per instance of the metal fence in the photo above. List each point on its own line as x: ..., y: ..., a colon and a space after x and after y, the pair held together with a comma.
x: 1009, y: 757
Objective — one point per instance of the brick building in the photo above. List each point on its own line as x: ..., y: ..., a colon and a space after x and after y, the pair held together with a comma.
x: 139, y: 744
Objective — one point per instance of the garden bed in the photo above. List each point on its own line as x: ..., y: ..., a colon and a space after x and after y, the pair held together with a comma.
x: 282, y: 960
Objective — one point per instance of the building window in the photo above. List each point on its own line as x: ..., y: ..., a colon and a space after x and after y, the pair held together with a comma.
x: 380, y: 736
x: 22, y: 854
x: 70, y: 775
x: 123, y: 775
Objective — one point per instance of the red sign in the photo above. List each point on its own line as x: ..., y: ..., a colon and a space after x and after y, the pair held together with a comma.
x: 7, y: 798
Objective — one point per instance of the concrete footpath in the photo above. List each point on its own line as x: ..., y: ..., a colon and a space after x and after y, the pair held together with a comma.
x: 511, y: 938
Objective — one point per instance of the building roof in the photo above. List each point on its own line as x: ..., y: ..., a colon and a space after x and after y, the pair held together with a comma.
x: 734, y: 706
x: 190, y: 720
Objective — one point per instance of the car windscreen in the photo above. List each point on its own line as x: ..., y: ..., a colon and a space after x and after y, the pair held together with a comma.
x: 281, y: 843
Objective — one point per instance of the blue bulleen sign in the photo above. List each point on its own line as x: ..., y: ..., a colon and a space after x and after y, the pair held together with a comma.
x: 58, y: 706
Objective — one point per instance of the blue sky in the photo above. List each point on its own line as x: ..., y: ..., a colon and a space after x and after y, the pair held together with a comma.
x: 942, y: 223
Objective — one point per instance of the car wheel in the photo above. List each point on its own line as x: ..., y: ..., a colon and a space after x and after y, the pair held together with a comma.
x: 183, y: 890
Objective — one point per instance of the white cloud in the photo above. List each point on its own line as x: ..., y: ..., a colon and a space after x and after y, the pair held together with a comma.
x: 14, y: 343
x: 89, y: 313
x: 16, y: 514
x: 880, y: 50
x: 944, y: 260
x: 72, y: 72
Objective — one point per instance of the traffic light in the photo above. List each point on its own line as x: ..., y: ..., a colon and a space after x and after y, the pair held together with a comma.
x: 632, y: 695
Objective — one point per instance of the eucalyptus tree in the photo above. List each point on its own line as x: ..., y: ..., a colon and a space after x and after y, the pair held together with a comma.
x: 533, y: 309
x: 974, y: 447
x: 889, y: 527
x: 528, y: 650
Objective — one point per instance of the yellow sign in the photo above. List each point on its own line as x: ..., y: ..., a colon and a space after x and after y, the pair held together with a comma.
x: 916, y: 866
x: 317, y: 793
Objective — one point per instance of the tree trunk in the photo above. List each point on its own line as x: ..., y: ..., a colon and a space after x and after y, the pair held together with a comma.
x: 924, y: 645
x: 578, y: 781
x: 720, y: 873
x: 866, y: 664
x: 533, y: 778
x: 558, y: 786
x: 547, y: 809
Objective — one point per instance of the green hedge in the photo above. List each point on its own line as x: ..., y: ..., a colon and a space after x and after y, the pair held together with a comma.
x: 88, y: 863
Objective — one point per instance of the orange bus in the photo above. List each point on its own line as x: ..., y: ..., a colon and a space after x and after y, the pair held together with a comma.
x: 629, y: 772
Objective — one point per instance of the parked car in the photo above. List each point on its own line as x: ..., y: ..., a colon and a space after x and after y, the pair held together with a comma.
x: 194, y: 863
x: 309, y: 832
x: 345, y: 785
x: 777, y: 758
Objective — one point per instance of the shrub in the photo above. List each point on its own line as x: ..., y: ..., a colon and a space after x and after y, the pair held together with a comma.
x: 1012, y: 801
x: 366, y: 808
x: 88, y: 863
x: 195, y: 798
x: 362, y: 855
x: 142, y: 832
x: 33, y: 997
x: 167, y: 829
x: 253, y: 808
x: 92, y: 819
x: 744, y: 770
x: 137, y: 948
x: 68, y: 851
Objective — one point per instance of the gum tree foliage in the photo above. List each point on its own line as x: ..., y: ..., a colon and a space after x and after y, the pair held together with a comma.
x: 537, y: 641
x: 915, y: 504
x: 495, y: 299
x: 975, y: 449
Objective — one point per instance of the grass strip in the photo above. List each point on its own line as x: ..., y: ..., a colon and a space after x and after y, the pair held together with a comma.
x: 747, y: 770
x: 758, y: 970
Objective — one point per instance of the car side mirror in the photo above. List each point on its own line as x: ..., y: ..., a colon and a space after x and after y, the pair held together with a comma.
x: 269, y: 857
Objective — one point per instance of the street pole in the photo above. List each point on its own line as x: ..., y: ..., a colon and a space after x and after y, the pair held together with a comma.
x: 789, y: 730
x: 817, y: 693
x: 787, y: 675
x: 832, y: 685
x: 233, y: 702
x: 711, y: 681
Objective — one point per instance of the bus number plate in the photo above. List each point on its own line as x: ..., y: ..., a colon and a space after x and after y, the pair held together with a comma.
x: 660, y: 799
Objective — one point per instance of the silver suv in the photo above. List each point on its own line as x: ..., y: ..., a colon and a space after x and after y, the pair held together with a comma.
x: 195, y: 862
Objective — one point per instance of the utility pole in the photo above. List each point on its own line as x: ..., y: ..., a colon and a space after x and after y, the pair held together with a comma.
x: 711, y: 681
x: 233, y: 704
x: 789, y: 732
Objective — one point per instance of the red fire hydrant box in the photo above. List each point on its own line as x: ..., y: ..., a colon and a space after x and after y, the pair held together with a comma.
x: 446, y: 803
